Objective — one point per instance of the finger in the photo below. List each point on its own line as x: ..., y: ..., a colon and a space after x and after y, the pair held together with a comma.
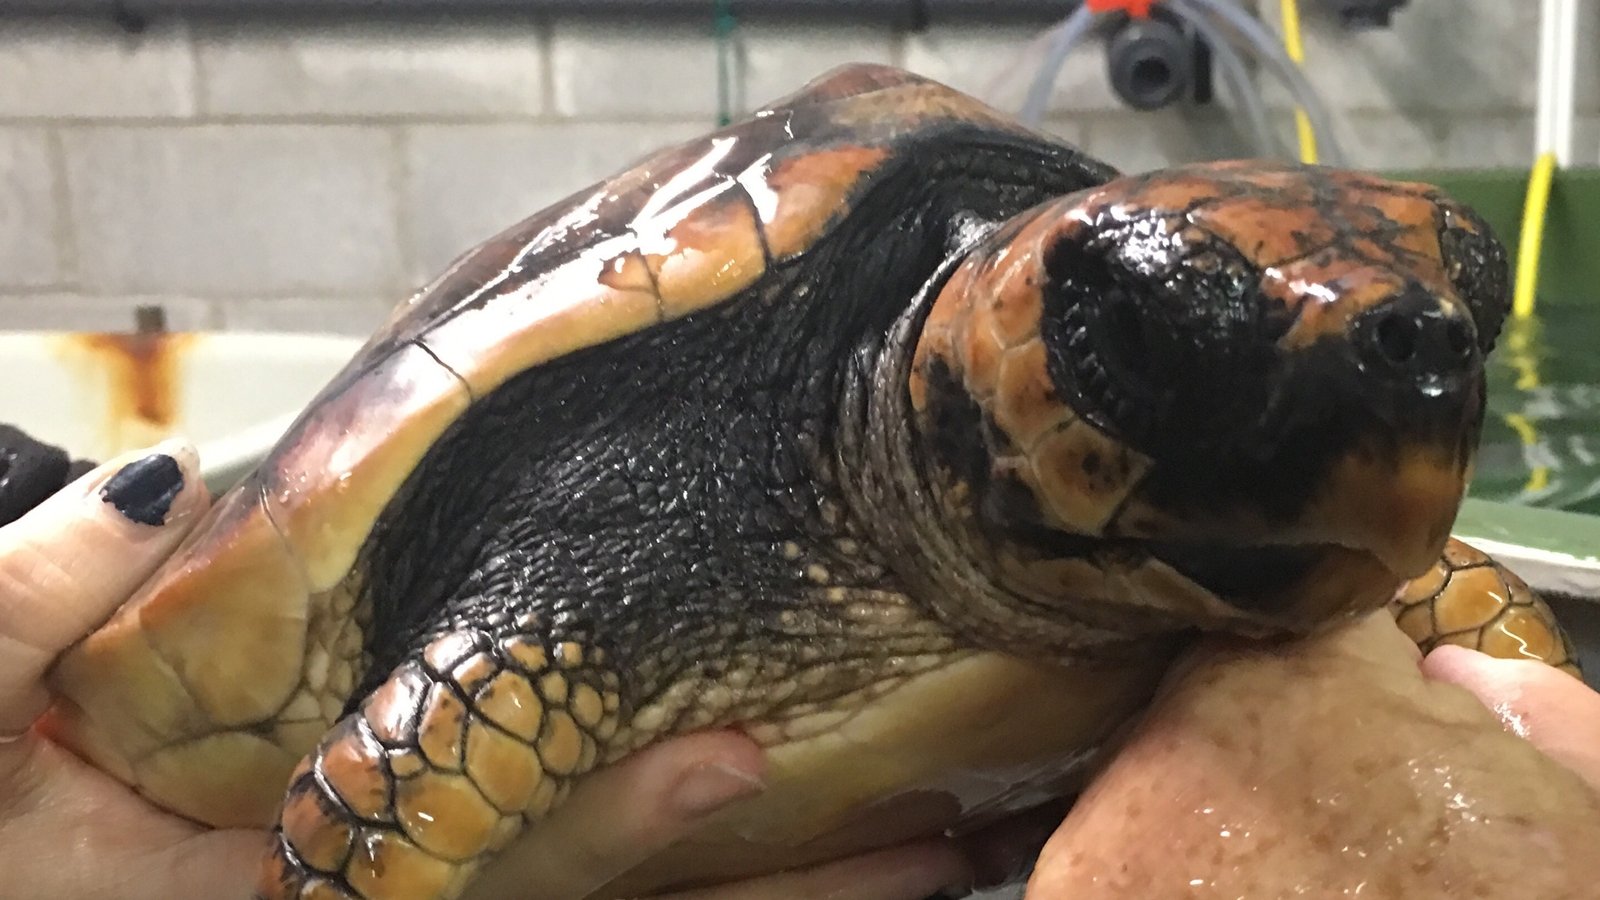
x: 71, y: 831
x: 908, y: 872
x: 625, y: 813
x: 73, y: 559
x: 1556, y: 713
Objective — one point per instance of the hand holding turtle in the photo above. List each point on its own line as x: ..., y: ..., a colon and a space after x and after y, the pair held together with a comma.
x: 66, y: 829
x: 69, y: 830
x: 1557, y: 713
x: 1348, y: 765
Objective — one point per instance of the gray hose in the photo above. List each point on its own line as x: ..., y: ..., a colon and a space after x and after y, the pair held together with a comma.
x: 1267, y: 48
x: 1065, y: 36
x: 1232, y: 67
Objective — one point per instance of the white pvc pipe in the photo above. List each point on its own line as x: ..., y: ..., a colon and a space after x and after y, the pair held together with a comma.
x: 1064, y: 37
x: 1558, y: 64
x: 1246, y: 95
x: 1269, y: 50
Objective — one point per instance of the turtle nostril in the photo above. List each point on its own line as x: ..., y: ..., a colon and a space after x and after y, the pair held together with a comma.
x: 1415, y: 336
x: 1397, y: 337
x: 1458, y: 338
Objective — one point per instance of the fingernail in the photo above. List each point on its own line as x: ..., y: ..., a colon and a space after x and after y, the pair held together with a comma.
x: 144, y: 490
x: 706, y: 789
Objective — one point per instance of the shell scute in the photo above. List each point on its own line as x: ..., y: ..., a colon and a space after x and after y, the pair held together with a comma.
x: 712, y: 254
x: 326, y: 490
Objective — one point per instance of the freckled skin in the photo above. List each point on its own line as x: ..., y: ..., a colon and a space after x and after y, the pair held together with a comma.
x: 1330, y: 770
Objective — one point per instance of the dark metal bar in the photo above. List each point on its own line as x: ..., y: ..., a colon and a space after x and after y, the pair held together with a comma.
x: 913, y: 12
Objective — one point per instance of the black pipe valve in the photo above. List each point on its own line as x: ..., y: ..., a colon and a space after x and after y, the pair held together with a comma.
x: 1157, y: 61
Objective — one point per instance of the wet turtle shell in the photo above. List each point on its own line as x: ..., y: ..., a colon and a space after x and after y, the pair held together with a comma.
x: 624, y: 471
x: 274, y: 573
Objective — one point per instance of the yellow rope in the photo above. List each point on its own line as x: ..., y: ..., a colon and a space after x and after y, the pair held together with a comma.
x: 1290, y: 11
x: 1531, y: 242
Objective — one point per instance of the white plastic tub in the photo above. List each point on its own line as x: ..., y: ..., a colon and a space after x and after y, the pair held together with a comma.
x: 232, y: 394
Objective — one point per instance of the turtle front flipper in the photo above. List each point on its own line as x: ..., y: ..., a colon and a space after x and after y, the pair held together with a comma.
x: 440, y: 767
x: 1472, y: 601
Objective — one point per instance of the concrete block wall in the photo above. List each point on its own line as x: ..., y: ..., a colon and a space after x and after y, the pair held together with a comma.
x: 306, y: 174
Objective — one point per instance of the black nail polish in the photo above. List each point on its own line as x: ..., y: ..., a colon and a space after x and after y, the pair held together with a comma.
x: 144, y: 490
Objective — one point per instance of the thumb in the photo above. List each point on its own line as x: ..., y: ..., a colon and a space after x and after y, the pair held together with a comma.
x: 69, y: 562
x: 1551, y: 709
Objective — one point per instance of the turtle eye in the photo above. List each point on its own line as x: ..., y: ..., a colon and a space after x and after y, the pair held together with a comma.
x: 1475, y: 262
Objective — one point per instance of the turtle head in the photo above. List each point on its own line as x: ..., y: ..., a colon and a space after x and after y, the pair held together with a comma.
x: 1236, y: 391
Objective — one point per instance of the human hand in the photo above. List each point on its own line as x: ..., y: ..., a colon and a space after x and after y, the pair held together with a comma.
x: 1343, y: 765
x: 1555, y: 712
x: 68, y: 830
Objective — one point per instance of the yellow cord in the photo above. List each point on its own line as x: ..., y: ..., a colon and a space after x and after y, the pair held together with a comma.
x: 1520, y: 340
x: 1290, y: 11
x: 1531, y: 241
x: 1520, y: 336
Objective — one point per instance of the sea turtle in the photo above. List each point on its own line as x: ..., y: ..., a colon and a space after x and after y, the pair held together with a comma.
x: 910, y: 441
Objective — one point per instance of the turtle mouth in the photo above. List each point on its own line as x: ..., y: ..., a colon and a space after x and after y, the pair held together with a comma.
x: 1284, y: 587
x: 1268, y: 588
x: 1255, y: 587
x: 1255, y: 579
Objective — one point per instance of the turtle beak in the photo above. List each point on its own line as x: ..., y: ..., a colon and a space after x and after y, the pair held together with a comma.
x: 1390, y: 407
x: 1396, y: 494
x: 1398, y: 508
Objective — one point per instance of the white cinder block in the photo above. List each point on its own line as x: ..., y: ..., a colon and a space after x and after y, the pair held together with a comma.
x: 1163, y: 138
x: 90, y: 68
x: 997, y: 65
x: 1070, y: 129
x: 354, y: 317
x: 776, y: 60
x: 323, y: 226
x: 609, y: 69
x: 240, y: 210
x: 1492, y: 142
x: 30, y: 220
x: 1586, y: 141
x: 80, y: 312
x: 377, y: 68
x: 1586, y: 87
x: 1391, y: 140
x: 1452, y: 56
x: 468, y: 183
